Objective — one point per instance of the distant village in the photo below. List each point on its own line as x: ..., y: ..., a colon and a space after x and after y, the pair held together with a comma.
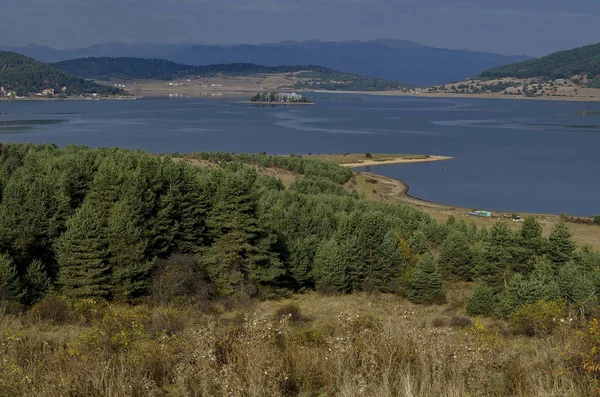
x: 48, y: 93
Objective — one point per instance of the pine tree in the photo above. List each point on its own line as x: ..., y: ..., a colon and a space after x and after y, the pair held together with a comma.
x: 426, y: 285
x: 36, y: 281
x: 241, y: 258
x: 481, y: 302
x: 330, y: 270
x: 388, y: 265
x: 575, y: 285
x: 531, y: 234
x: 194, y: 204
x: 560, y: 244
x: 127, y: 246
x: 418, y: 242
x: 10, y: 286
x: 456, y: 257
x: 83, y: 256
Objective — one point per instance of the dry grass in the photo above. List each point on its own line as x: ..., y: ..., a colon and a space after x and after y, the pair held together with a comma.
x: 351, y: 345
x: 350, y: 158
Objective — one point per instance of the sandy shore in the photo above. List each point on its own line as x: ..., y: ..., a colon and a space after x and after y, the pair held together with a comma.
x: 368, y: 163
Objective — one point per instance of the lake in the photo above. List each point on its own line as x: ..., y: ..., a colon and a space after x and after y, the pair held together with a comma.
x: 510, y: 155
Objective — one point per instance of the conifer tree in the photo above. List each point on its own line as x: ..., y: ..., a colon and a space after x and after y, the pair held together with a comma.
x: 560, y: 244
x: 10, y: 286
x: 388, y: 265
x: 575, y: 285
x: 36, y: 281
x: 241, y: 258
x: 426, y: 285
x: 418, y: 242
x: 456, y: 257
x: 83, y: 256
x: 127, y: 246
x: 330, y: 269
x: 531, y: 234
x: 481, y: 302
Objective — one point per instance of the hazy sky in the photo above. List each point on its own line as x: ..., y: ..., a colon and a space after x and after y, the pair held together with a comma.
x: 533, y: 27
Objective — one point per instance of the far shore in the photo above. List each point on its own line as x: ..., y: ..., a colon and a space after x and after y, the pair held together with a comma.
x: 488, y: 96
x: 38, y: 99
x: 277, y: 103
x: 398, y: 160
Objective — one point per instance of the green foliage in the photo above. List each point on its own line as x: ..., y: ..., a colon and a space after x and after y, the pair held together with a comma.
x: 37, y: 282
x: 560, y: 244
x: 120, y: 225
x: 597, y: 219
x: 27, y: 76
x: 278, y: 97
x: 83, y: 256
x: 241, y: 258
x: 10, y: 287
x: 531, y: 234
x: 538, y: 319
x: 456, y: 258
x: 426, y: 285
x: 481, y: 302
x: 559, y: 65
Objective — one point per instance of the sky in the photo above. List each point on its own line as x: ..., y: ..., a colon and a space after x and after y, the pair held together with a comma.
x: 531, y: 27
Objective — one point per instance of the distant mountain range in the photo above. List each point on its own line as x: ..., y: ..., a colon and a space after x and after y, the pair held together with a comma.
x: 398, y: 60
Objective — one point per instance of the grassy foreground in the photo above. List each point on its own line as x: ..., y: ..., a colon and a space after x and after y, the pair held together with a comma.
x: 310, y: 345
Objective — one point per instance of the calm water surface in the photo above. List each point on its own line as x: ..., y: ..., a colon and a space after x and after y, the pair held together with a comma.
x: 525, y: 156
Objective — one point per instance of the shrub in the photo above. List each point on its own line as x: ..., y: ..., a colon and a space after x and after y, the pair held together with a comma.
x: 597, y: 219
x: 438, y: 322
x: 53, y: 309
x: 179, y: 279
x: 460, y: 322
x: 88, y: 311
x: 368, y: 155
x: 291, y: 310
x: 537, y: 319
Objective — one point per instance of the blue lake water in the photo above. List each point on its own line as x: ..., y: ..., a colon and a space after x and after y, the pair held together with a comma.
x: 524, y: 156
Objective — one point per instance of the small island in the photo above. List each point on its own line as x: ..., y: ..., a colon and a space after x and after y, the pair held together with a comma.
x: 279, y: 98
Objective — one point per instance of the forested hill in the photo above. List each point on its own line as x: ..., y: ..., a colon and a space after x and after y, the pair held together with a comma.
x: 560, y: 65
x: 26, y: 76
x: 115, y: 224
x: 158, y: 69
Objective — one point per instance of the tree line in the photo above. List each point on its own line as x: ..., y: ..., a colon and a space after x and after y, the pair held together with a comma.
x: 559, y: 65
x: 121, y: 225
x: 26, y: 76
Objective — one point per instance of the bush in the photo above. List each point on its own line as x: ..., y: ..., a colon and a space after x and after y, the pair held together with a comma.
x: 438, y: 322
x: 537, y: 319
x: 460, y: 322
x: 597, y: 219
x: 368, y: 155
x: 180, y: 279
x: 53, y: 309
x: 291, y: 310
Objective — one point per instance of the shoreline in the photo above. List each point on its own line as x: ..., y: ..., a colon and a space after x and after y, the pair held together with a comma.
x: 399, y: 160
x: 277, y: 103
x: 133, y: 97
x: 464, y: 96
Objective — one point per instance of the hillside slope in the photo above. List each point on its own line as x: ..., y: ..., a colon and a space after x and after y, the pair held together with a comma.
x: 25, y: 76
x: 400, y: 60
x: 309, y: 76
x: 560, y: 65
